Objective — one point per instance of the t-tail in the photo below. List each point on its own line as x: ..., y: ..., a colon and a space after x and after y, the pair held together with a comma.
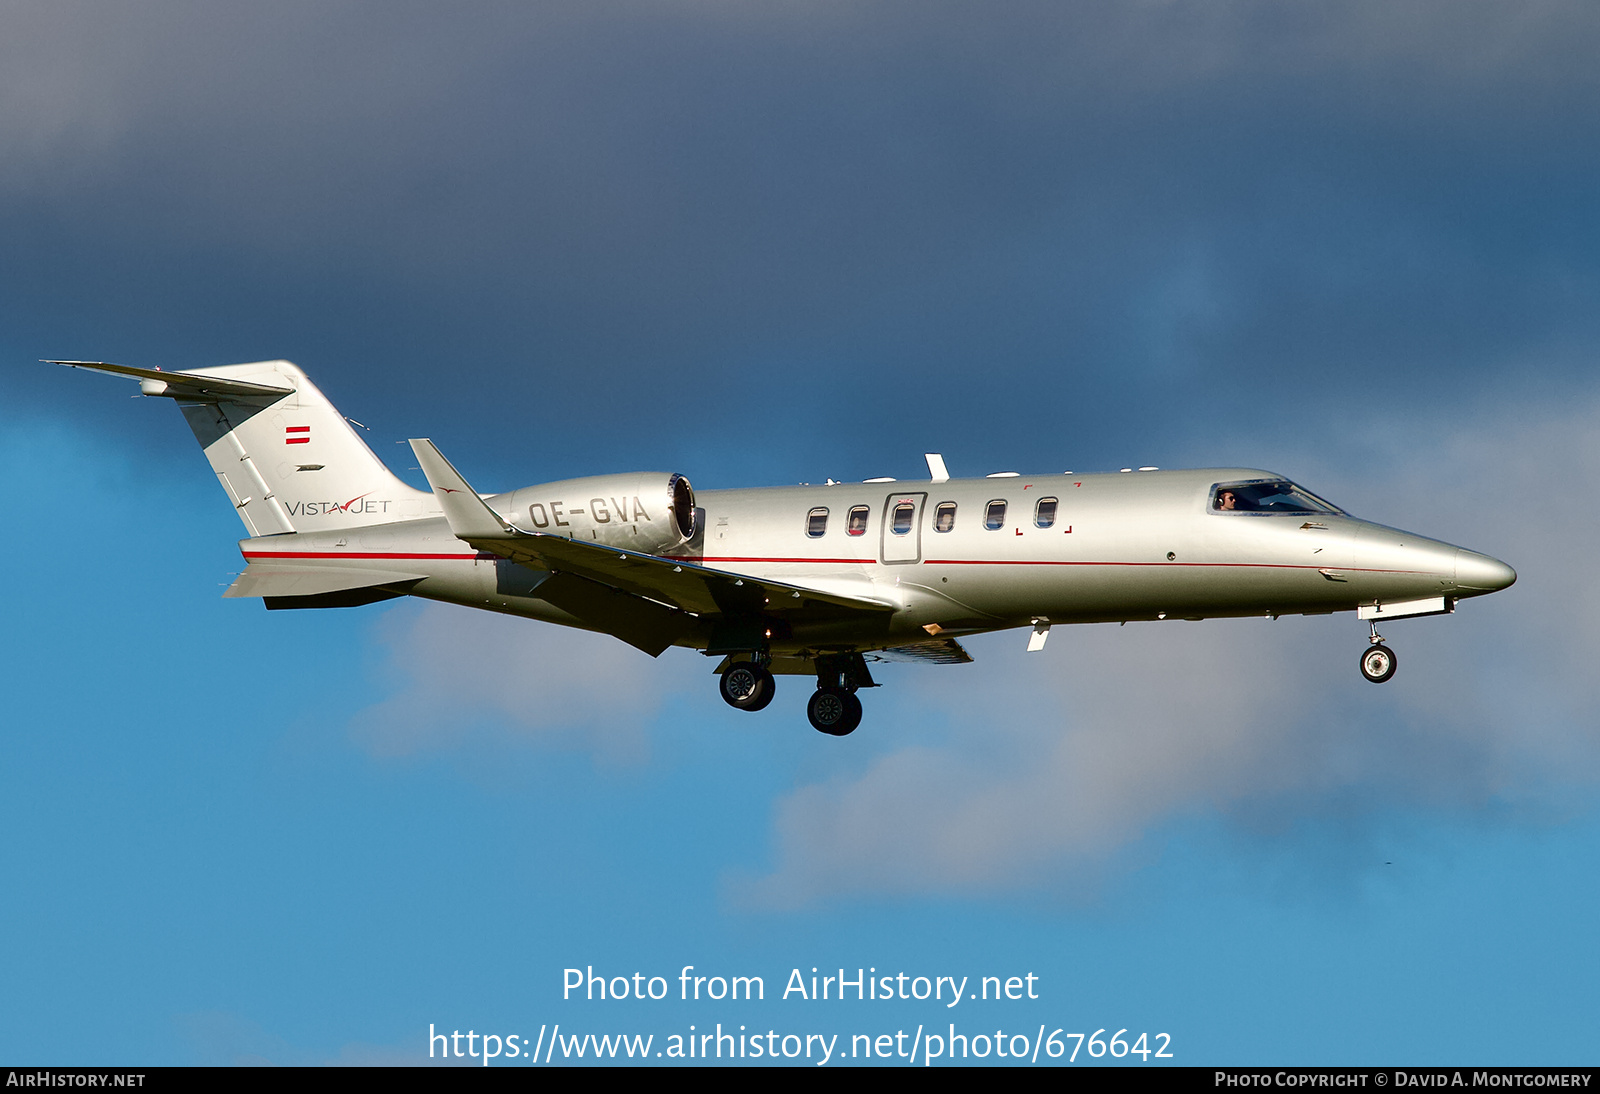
x: 288, y: 460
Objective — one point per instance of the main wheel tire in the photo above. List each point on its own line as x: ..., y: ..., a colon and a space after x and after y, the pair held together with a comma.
x: 834, y: 711
x: 1378, y: 663
x: 745, y: 685
x: 855, y: 713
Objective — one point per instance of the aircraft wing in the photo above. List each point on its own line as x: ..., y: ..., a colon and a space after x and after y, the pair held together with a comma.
x: 679, y: 585
x: 683, y: 585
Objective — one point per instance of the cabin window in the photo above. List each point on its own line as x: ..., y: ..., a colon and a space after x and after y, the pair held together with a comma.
x: 994, y: 517
x: 901, y: 520
x: 817, y: 522
x: 1267, y: 497
x: 944, y: 517
x: 856, y: 525
x: 1044, y: 514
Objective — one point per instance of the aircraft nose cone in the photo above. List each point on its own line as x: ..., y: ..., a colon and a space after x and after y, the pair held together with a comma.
x: 1475, y: 571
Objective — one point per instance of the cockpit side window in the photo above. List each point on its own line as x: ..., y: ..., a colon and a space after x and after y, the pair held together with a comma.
x: 1267, y: 497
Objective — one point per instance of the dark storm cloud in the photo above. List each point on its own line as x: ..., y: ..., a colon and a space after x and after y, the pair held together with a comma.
x: 680, y: 227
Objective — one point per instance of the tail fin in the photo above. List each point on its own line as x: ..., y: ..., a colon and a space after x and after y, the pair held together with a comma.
x: 287, y: 458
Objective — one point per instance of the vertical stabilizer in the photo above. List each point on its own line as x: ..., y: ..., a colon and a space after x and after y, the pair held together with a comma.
x: 287, y: 459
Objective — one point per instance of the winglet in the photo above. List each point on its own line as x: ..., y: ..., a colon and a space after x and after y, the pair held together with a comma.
x: 936, y: 468
x: 469, y: 517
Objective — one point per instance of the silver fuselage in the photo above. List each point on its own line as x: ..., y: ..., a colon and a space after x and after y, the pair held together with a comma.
x: 1121, y: 546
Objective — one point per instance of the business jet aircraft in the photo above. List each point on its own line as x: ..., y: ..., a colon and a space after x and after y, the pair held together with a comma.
x: 804, y: 580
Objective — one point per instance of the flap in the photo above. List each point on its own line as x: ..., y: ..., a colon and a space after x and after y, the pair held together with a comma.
x: 642, y: 624
x: 941, y: 651
x: 681, y: 584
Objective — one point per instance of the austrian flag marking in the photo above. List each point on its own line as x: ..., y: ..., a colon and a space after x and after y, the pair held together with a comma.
x: 297, y: 434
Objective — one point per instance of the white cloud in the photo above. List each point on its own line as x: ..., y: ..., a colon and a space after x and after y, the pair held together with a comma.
x: 458, y: 670
x: 1058, y: 764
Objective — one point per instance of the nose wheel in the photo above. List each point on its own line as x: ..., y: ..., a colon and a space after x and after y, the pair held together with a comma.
x: 746, y: 685
x: 1378, y: 661
x: 834, y: 711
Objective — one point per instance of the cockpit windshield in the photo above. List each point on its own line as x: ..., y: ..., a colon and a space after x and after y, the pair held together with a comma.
x: 1273, y: 496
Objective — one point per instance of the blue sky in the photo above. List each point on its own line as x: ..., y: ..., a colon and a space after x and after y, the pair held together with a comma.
x: 766, y: 244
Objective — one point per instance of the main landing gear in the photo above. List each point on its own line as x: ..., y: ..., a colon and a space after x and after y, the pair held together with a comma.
x: 747, y: 685
x: 832, y: 709
x: 835, y: 711
x: 1378, y: 661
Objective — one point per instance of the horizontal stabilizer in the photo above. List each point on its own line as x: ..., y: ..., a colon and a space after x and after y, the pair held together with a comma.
x: 288, y: 579
x: 180, y: 385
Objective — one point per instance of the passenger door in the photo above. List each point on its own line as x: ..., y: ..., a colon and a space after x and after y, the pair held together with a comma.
x: 901, y: 534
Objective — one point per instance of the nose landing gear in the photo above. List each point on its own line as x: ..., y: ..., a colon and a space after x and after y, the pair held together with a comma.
x: 1378, y: 661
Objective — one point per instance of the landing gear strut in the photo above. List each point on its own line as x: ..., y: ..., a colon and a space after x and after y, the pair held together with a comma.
x: 1378, y: 661
x: 747, y: 685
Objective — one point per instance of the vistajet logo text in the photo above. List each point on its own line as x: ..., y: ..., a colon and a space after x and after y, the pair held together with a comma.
x: 359, y: 504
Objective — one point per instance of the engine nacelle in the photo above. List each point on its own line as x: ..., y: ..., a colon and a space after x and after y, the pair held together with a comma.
x: 649, y: 512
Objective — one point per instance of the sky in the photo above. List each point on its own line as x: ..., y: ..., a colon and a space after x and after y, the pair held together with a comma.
x: 761, y: 244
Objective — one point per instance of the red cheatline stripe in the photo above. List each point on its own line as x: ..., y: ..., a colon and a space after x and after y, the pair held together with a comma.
x: 297, y: 440
x: 297, y: 429
x: 742, y: 558
x: 929, y: 562
x: 1202, y: 565
x: 350, y: 554
x: 1050, y: 562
